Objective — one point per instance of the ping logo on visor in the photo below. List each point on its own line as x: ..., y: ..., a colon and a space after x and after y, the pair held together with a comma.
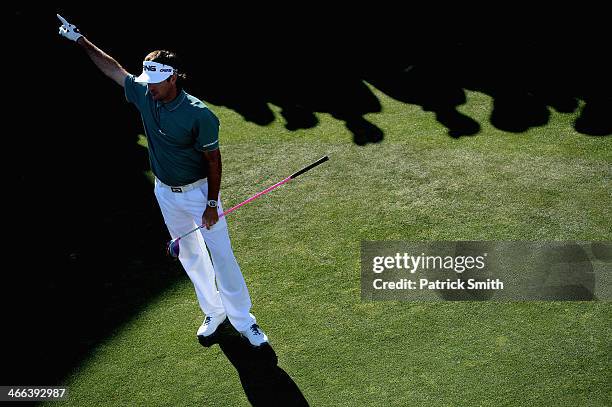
x: 153, y: 72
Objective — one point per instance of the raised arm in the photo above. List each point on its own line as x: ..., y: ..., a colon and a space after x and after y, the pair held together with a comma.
x: 103, y: 61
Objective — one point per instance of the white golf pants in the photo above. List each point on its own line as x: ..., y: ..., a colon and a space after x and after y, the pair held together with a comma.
x: 182, y: 212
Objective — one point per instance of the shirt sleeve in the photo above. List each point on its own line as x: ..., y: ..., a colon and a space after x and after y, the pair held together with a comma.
x: 207, y: 127
x: 134, y: 92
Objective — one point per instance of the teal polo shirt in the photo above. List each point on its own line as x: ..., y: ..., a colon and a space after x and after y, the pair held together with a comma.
x: 178, y: 132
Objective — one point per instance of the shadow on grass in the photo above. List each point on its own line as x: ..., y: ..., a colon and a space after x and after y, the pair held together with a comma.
x: 86, y: 239
x: 527, y: 72
x: 264, y: 382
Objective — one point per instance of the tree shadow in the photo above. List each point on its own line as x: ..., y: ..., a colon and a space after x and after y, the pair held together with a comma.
x: 525, y: 73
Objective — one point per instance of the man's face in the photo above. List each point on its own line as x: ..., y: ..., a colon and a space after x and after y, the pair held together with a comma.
x: 163, y: 91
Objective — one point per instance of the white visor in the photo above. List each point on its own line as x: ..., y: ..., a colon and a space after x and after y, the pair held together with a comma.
x: 153, y: 72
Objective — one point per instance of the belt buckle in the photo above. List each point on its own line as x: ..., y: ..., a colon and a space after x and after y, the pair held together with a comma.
x: 176, y: 189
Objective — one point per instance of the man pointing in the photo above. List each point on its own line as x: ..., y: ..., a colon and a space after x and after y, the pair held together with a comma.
x: 183, y: 139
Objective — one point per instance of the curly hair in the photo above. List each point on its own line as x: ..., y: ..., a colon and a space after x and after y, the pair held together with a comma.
x: 166, y: 57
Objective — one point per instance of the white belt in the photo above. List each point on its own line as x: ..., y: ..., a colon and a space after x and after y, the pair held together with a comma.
x: 182, y: 188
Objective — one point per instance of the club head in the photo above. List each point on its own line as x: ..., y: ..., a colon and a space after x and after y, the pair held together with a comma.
x: 173, y: 248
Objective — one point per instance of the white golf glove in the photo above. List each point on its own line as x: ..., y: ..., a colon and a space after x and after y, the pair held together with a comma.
x: 68, y: 30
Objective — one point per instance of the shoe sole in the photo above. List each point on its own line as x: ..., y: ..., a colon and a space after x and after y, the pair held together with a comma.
x: 244, y: 338
x: 209, y: 340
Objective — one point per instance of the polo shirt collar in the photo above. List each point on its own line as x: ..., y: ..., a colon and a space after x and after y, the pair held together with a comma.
x: 176, y: 102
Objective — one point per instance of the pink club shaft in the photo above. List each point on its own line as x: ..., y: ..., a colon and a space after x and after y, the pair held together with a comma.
x: 265, y: 191
x: 257, y: 195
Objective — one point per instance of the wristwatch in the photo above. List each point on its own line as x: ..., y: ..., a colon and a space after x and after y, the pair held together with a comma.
x: 211, y: 203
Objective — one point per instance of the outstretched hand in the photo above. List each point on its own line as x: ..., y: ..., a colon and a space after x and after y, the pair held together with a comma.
x: 68, y: 30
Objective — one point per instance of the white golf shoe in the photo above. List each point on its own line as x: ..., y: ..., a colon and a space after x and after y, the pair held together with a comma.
x: 255, y: 335
x: 210, y: 325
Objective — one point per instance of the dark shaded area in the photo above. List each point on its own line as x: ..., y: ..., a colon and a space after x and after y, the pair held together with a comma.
x: 84, y: 235
x: 263, y: 381
x: 86, y: 238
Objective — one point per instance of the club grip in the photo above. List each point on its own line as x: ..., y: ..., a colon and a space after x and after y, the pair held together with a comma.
x: 309, y: 167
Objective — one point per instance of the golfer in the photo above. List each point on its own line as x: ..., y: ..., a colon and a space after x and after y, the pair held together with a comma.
x: 183, y: 138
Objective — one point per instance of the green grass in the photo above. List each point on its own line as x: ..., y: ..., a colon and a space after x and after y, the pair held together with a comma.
x: 299, y: 251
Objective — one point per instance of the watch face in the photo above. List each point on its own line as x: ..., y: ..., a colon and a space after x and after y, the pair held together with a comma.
x: 212, y: 203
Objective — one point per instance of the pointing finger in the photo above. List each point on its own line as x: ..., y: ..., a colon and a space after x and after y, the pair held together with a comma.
x: 63, y: 20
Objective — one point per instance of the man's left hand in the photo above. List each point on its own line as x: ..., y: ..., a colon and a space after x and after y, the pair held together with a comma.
x: 210, y: 217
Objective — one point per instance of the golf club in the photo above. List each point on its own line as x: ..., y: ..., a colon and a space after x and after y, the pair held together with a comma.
x: 173, y: 245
